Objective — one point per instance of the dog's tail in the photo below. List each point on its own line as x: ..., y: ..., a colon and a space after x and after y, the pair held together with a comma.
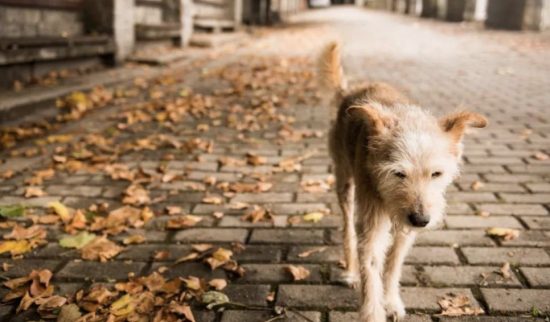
x: 331, y: 72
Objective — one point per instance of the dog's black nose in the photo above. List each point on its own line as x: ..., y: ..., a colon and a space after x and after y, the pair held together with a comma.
x: 419, y: 220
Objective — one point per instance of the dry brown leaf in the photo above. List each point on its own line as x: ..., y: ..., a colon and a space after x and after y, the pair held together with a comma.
x: 218, y: 284
x: 483, y: 213
x: 220, y: 257
x: 298, y: 272
x: 192, y: 283
x: 505, y: 271
x: 173, y: 210
x: 100, y: 249
x: 182, y: 222
x: 458, y: 305
x: 270, y: 297
x: 541, y: 156
x: 201, y: 248
x: 213, y: 200
x: 134, y: 239
x: 21, y: 233
x: 257, y: 214
x: 136, y: 195
x: 32, y: 192
x: 160, y: 255
x: 312, y: 251
x: 255, y: 160
x: 476, y: 185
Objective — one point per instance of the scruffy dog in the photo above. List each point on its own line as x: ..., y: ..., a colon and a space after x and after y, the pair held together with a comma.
x: 392, y: 163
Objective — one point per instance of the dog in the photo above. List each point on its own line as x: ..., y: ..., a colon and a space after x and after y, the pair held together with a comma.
x: 392, y: 162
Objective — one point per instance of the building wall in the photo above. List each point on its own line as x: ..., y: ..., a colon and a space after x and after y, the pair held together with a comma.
x: 33, y: 22
x: 148, y: 15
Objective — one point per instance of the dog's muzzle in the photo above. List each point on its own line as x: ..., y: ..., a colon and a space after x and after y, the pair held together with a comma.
x: 418, y: 220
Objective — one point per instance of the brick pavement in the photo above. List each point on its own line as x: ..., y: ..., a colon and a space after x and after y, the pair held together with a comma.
x: 441, y: 66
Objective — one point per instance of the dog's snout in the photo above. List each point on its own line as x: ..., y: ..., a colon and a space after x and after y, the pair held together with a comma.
x: 419, y: 220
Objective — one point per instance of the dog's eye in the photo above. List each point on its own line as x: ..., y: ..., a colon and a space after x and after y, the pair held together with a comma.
x: 400, y: 175
x: 436, y: 174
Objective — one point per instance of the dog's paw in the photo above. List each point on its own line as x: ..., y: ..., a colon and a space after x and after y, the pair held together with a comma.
x: 395, y: 308
x: 350, y: 279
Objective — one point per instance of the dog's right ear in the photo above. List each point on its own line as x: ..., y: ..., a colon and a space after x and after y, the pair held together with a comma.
x: 379, y: 121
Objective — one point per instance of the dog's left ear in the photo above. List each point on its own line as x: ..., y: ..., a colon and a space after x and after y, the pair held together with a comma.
x: 455, y: 124
x: 379, y: 120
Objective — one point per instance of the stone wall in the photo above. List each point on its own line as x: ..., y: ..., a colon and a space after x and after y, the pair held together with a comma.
x: 35, y: 22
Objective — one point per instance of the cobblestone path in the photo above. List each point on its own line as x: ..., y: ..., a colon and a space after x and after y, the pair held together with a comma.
x: 246, y: 128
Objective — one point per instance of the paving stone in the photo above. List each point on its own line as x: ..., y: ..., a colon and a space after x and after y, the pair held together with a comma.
x: 530, y: 238
x: 248, y: 294
x: 496, y: 187
x: 473, y: 221
x: 276, y: 273
x: 211, y: 235
x: 353, y: 316
x: 424, y: 298
x: 316, y: 197
x: 151, y: 236
x: 297, y: 208
x: 408, y: 275
x: 267, y: 197
x: 472, y: 196
x: 242, y: 316
x: 259, y: 253
x: 538, y: 187
x: 515, y: 256
x: 537, y: 222
x: 89, y: 270
x: 146, y: 252
x: 536, y: 198
x: 466, y: 276
x: 288, y: 236
x: 236, y: 221
x: 537, y: 277
x: 310, y: 296
x: 516, y: 300
x: 321, y: 254
x: 186, y: 269
x: 454, y: 237
x: 84, y: 191
x: 19, y: 268
x: 432, y: 255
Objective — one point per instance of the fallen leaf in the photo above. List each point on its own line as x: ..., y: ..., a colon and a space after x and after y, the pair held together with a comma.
x: 60, y: 210
x: 476, y: 185
x: 505, y: 271
x: 124, y: 306
x: 15, y: 247
x: 134, y: 239
x: 270, y: 297
x: 541, y: 156
x: 173, y: 210
x: 33, y: 232
x: 314, y: 217
x: 32, y: 192
x: 213, y: 200
x: 100, y: 249
x: 483, y: 213
x: 504, y: 233
x: 458, y: 305
x: 220, y: 257
x: 183, y: 222
x: 218, y: 284
x: 202, y: 247
x: 257, y: 214
x: 312, y: 251
x: 69, y: 313
x: 12, y: 211
x: 77, y: 241
x: 192, y: 283
x: 298, y: 272
x: 214, y: 298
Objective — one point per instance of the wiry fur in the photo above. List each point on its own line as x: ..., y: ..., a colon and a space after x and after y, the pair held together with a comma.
x: 392, y: 163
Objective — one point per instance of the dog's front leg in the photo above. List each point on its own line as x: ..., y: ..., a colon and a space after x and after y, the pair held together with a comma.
x: 394, y: 265
x: 374, y: 239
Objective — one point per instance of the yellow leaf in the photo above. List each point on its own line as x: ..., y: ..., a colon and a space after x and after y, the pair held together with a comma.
x: 15, y: 247
x: 314, y: 217
x: 60, y: 210
x: 193, y: 283
x: 504, y: 233
x: 123, y: 306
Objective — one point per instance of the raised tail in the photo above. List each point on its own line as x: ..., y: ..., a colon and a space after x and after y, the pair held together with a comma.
x: 331, y: 72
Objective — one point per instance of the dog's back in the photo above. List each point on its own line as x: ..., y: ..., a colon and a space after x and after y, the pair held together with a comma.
x: 346, y: 131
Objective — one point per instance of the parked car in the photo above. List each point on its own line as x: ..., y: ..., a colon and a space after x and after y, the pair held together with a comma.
x: 319, y: 3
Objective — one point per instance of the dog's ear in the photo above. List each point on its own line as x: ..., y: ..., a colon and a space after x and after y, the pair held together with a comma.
x: 455, y: 124
x: 379, y: 121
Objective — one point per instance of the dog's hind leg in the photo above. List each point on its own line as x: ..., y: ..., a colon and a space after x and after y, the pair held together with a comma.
x: 345, y: 189
x: 392, y: 274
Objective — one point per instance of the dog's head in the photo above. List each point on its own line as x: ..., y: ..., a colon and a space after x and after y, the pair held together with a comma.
x: 412, y: 157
